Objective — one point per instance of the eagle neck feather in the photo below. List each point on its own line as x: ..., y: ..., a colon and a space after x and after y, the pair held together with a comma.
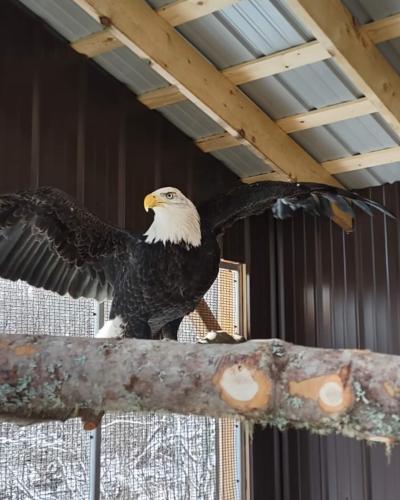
x: 175, y: 225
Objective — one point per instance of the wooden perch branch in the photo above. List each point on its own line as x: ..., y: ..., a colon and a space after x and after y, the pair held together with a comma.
x: 355, y: 393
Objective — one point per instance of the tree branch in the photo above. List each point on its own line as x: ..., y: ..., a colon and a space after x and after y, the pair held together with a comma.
x: 355, y: 393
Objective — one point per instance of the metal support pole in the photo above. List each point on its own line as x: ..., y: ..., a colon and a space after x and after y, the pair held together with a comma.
x: 95, y: 435
x: 94, y: 463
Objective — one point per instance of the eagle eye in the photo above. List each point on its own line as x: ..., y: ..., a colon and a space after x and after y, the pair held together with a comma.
x: 170, y: 196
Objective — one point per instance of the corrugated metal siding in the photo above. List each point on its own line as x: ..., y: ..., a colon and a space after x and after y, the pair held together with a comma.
x: 66, y: 123
x: 333, y: 290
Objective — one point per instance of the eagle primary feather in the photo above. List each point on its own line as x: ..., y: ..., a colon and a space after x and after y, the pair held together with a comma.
x: 155, y: 279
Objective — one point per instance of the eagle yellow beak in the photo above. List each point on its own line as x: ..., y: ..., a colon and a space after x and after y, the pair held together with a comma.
x: 151, y: 201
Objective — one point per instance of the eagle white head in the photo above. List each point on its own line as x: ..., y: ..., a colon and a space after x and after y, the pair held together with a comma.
x: 176, y: 219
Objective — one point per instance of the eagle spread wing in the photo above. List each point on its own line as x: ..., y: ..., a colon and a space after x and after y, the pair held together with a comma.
x: 283, y: 199
x: 50, y: 241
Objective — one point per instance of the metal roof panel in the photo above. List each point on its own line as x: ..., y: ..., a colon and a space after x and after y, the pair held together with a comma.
x: 273, y: 97
x: 128, y: 68
x: 301, y: 89
x: 64, y: 16
x: 345, y: 138
x: 190, y: 119
x: 363, y: 134
x: 244, y: 31
x: 368, y: 177
x: 242, y: 161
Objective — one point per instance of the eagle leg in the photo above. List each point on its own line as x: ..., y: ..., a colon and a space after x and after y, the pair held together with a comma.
x: 137, y: 328
x: 170, y: 330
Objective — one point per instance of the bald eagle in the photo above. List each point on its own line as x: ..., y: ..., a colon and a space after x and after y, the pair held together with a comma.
x: 154, y: 279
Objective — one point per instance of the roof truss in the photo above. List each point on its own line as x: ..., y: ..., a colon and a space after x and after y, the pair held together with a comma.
x: 147, y: 34
x: 183, y: 10
x: 215, y: 92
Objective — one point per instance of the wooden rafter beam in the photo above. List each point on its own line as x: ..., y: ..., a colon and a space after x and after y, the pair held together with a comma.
x: 365, y: 160
x: 382, y: 30
x: 279, y: 62
x: 156, y: 99
x: 332, y: 24
x: 269, y: 176
x: 96, y: 43
x: 326, y: 115
x: 216, y: 142
x: 183, y: 11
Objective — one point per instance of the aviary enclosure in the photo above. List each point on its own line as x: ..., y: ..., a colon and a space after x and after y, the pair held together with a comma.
x: 71, y: 121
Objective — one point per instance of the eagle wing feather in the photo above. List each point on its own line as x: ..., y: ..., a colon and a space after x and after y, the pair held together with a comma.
x: 283, y: 198
x: 48, y: 240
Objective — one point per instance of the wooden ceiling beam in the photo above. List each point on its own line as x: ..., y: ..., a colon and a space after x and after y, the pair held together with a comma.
x: 216, y: 142
x: 159, y: 98
x: 156, y: 99
x: 332, y: 24
x: 269, y: 176
x: 361, y: 161
x: 383, y: 30
x: 97, y: 43
x: 279, y: 62
x: 183, y: 11
x: 326, y: 115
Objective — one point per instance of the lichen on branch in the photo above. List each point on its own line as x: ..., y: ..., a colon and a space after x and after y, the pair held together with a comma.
x: 355, y: 393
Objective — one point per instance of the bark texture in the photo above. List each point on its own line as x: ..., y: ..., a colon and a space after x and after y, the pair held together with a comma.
x: 355, y: 393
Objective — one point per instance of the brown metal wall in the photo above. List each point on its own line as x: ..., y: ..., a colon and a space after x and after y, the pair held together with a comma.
x: 332, y: 290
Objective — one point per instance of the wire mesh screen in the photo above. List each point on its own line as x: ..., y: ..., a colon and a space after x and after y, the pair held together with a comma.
x: 46, y: 461
x: 143, y: 456
x: 174, y: 457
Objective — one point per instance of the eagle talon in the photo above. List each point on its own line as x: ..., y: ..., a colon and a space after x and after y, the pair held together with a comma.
x: 221, y: 337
